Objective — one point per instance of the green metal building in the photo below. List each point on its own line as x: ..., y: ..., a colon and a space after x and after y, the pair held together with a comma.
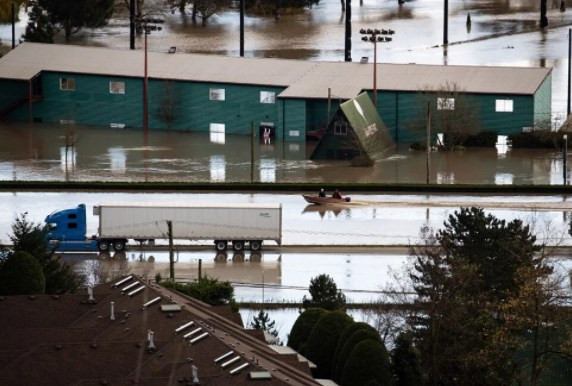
x: 229, y: 95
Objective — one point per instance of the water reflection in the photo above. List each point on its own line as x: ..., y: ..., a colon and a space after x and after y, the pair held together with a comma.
x: 217, y: 168
x: 117, y: 160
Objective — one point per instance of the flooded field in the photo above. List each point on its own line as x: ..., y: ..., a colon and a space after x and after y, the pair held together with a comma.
x: 38, y: 152
x: 305, y: 224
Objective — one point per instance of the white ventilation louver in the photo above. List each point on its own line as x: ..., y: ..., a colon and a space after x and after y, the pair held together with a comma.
x: 152, y: 301
x: 122, y: 281
x: 184, y: 326
x: 230, y: 362
x: 132, y: 285
x: 134, y: 292
x: 188, y: 335
x: 223, y: 356
x: 237, y: 370
x: 192, y: 341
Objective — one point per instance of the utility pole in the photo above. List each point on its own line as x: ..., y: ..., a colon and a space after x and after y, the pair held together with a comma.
x: 569, y: 67
x: 565, y: 160
x: 374, y: 38
x: 446, y: 23
x: 200, y: 270
x: 348, y: 40
x: 241, y: 28
x: 132, y: 24
x: 251, y: 152
x: 13, y: 26
x: 171, y: 251
x: 428, y: 141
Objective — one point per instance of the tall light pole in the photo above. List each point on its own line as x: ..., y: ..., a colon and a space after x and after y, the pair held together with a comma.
x: 372, y: 35
x: 565, y: 160
x: 13, y: 26
x: 145, y: 26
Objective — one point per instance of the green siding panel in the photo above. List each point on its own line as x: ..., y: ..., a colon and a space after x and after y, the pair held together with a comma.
x: 14, y: 95
x: 294, y: 120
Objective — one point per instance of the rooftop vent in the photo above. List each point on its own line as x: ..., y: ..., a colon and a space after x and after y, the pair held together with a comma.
x: 237, y: 370
x: 192, y: 341
x: 259, y: 375
x: 364, y: 59
x: 134, y: 292
x: 173, y: 307
x: 152, y: 301
x: 184, y: 326
x: 122, y: 281
x: 223, y: 356
x: 172, y: 50
x: 192, y: 333
x: 132, y: 285
x: 230, y: 362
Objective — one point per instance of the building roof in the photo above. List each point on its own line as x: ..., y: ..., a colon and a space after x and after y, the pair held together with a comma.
x: 56, y: 340
x: 302, y: 79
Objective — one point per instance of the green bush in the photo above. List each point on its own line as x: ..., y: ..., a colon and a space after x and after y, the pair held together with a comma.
x: 367, y: 362
x: 208, y: 290
x: 303, y: 327
x: 537, y: 140
x: 347, y: 343
x: 21, y: 274
x: 323, y: 340
x: 482, y: 139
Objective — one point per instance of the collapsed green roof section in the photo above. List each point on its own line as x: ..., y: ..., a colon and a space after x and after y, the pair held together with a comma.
x: 367, y: 125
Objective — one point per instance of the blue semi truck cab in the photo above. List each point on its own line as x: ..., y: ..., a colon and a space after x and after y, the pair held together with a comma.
x: 67, y: 230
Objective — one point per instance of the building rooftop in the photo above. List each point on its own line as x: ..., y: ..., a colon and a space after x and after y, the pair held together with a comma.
x: 301, y: 79
x: 56, y: 340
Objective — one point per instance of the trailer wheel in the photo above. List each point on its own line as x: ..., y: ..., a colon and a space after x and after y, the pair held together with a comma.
x: 238, y: 245
x: 118, y: 245
x: 220, y: 245
x: 103, y: 245
x: 255, y: 245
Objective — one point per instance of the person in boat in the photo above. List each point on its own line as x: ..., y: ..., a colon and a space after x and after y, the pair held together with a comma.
x: 322, y: 193
x: 337, y: 194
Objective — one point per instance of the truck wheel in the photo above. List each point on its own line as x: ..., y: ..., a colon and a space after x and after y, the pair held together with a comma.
x: 118, y: 245
x: 220, y: 245
x: 103, y: 245
x: 238, y: 245
x: 255, y: 245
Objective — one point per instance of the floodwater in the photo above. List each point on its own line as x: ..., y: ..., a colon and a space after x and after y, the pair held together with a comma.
x: 38, y: 152
x: 274, y: 277
x: 381, y: 223
x: 502, y: 32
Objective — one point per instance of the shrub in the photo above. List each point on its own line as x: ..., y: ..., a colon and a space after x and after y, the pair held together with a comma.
x: 303, y: 327
x: 482, y: 139
x: 417, y: 146
x: 353, y: 334
x: 21, y: 274
x: 323, y: 340
x: 208, y: 290
x: 537, y: 140
x: 367, y: 362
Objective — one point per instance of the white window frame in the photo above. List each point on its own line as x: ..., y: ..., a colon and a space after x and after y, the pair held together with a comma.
x: 504, y: 106
x: 116, y: 87
x: 340, y: 128
x: 217, y: 94
x: 446, y: 104
x: 67, y: 84
x: 217, y: 133
x: 267, y: 97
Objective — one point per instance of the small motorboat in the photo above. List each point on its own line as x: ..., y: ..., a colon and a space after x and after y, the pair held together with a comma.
x: 345, y: 201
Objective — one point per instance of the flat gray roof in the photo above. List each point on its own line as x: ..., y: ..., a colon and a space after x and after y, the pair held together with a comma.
x: 302, y: 79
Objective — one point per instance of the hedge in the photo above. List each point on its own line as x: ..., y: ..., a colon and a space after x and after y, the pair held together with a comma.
x: 367, y: 362
x: 303, y: 327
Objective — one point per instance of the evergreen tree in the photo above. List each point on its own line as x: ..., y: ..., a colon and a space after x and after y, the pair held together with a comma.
x: 406, y: 363
x: 325, y: 294
x: 30, y: 237
x: 39, y: 28
x: 368, y: 362
x: 263, y: 321
x: 21, y: 274
x: 73, y: 15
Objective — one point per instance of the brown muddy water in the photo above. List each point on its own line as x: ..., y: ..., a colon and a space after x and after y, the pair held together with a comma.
x: 38, y: 152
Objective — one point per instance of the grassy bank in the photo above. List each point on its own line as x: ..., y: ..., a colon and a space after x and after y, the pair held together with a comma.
x: 278, y: 187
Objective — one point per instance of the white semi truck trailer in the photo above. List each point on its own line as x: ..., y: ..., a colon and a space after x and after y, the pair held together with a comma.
x: 240, y: 225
